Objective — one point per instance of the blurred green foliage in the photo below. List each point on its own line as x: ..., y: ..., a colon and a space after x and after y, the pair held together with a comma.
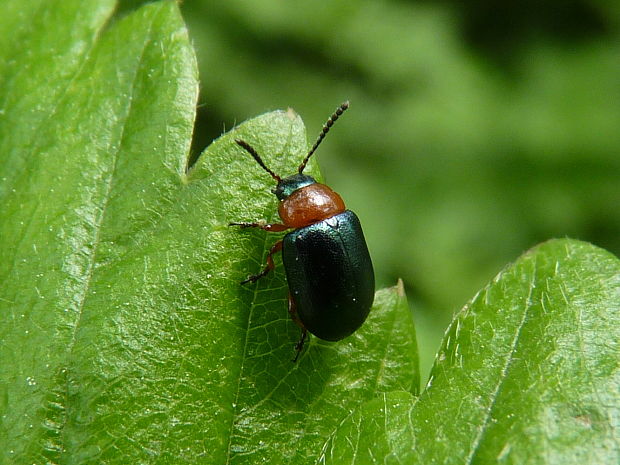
x: 476, y: 130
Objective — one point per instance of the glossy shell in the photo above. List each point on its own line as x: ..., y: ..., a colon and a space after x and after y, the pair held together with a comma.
x: 330, y: 275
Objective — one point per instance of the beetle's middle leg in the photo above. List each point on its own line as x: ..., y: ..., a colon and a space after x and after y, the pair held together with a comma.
x: 270, y: 264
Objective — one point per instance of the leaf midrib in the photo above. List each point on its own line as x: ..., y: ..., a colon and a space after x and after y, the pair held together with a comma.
x: 101, y: 220
x: 503, y: 375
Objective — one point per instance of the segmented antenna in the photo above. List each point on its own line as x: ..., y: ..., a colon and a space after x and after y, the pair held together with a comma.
x: 257, y: 157
x: 326, y: 127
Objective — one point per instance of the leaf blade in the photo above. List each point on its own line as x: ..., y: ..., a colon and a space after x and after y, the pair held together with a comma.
x: 537, y: 375
x: 66, y: 204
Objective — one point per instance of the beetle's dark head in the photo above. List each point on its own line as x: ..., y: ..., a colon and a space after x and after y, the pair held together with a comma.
x: 290, y: 184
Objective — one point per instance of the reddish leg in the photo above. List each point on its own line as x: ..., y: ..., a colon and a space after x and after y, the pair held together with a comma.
x: 304, y: 332
x: 270, y: 264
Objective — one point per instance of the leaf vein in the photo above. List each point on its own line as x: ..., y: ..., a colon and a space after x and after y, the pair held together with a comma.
x: 98, y: 227
x: 503, y: 374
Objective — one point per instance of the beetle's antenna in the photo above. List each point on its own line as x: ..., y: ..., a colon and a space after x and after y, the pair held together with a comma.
x: 257, y: 157
x: 326, y: 127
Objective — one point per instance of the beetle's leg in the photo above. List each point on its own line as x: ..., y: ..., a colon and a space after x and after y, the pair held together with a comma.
x: 300, y: 344
x: 270, y: 264
x: 304, y: 332
x: 271, y: 227
x: 292, y: 311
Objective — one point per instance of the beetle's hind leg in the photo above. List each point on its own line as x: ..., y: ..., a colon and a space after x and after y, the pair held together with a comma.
x: 292, y: 310
x: 300, y: 344
x: 270, y: 264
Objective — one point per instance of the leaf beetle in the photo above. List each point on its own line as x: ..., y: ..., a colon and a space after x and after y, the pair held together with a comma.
x: 328, y: 268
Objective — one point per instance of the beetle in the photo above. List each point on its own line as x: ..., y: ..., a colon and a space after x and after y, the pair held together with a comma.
x: 326, y: 261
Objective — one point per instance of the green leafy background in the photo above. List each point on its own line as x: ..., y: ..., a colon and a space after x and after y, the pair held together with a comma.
x: 124, y: 334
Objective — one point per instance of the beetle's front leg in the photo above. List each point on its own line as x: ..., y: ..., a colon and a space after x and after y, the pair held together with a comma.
x: 270, y: 227
x: 270, y: 264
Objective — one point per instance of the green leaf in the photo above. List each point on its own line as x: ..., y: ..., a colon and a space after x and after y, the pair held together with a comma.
x: 126, y: 337
x: 528, y: 373
x: 380, y: 431
x: 95, y: 128
x: 124, y: 333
